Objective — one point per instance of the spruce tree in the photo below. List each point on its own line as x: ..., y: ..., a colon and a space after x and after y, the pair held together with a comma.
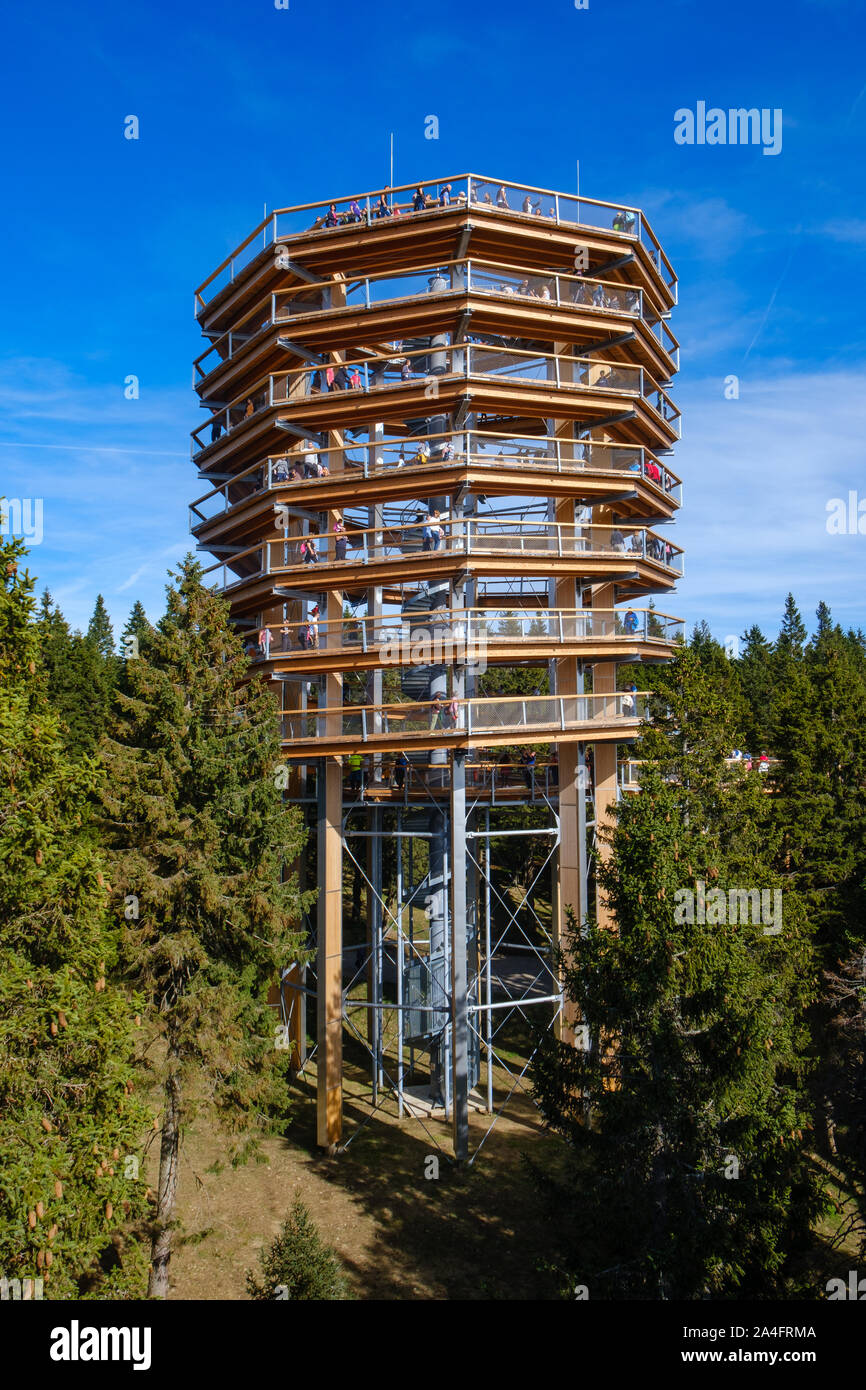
x: 100, y: 631
x: 202, y: 846
x: 792, y: 634
x: 755, y: 671
x: 70, y: 1123
x: 819, y: 808
x: 298, y: 1265
x: 685, y: 1118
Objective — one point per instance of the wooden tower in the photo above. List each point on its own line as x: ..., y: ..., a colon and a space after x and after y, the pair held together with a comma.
x: 437, y: 447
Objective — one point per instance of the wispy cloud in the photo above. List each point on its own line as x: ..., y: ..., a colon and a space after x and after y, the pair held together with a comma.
x: 758, y: 474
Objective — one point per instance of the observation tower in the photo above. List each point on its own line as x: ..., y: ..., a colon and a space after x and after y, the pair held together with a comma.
x: 439, y: 501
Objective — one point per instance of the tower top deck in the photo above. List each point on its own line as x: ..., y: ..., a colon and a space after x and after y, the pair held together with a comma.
x: 466, y: 192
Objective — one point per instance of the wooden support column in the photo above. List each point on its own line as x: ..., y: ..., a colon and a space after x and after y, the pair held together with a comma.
x: 329, y: 1096
x: 330, y: 908
x: 604, y: 754
x: 570, y: 886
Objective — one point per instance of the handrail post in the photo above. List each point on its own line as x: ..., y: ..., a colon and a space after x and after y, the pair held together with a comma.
x: 556, y: 205
x: 367, y: 291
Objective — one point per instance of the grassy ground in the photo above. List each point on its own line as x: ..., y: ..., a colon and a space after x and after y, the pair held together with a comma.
x: 477, y: 1234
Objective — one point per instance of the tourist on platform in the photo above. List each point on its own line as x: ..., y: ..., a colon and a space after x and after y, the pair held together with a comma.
x: 305, y: 636
x: 529, y: 762
x: 286, y: 635
x: 355, y: 213
x: 308, y: 553
x: 314, y: 624
x: 628, y: 699
x: 401, y: 763
x: 355, y: 379
x: 265, y: 642
x: 437, y: 535
x: 356, y: 769
x: 617, y: 540
x: 527, y: 204
x: 281, y: 471
x: 340, y: 540
x: 332, y: 220
x: 437, y: 710
x: 406, y: 370
x: 382, y: 208
x: 249, y: 408
x: 763, y: 763
x: 445, y: 196
x: 598, y: 299
x: 311, y: 459
x: 631, y: 622
x: 216, y: 430
x: 502, y: 197
x: 419, y: 202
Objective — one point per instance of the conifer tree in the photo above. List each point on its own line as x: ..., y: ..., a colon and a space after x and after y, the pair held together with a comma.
x: 100, y: 631
x: 201, y: 844
x: 792, y: 634
x: 755, y: 671
x: 686, y: 1115
x: 70, y: 1125
x: 134, y: 636
x: 298, y: 1265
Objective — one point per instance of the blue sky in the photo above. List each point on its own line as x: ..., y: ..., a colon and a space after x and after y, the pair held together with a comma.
x: 242, y: 105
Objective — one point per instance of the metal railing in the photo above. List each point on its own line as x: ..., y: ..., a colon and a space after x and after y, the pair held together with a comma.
x: 441, y: 196
x: 464, y: 537
x: 303, y: 464
x: 494, y: 715
x: 421, y: 638
x: 558, y: 290
x: 429, y: 367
